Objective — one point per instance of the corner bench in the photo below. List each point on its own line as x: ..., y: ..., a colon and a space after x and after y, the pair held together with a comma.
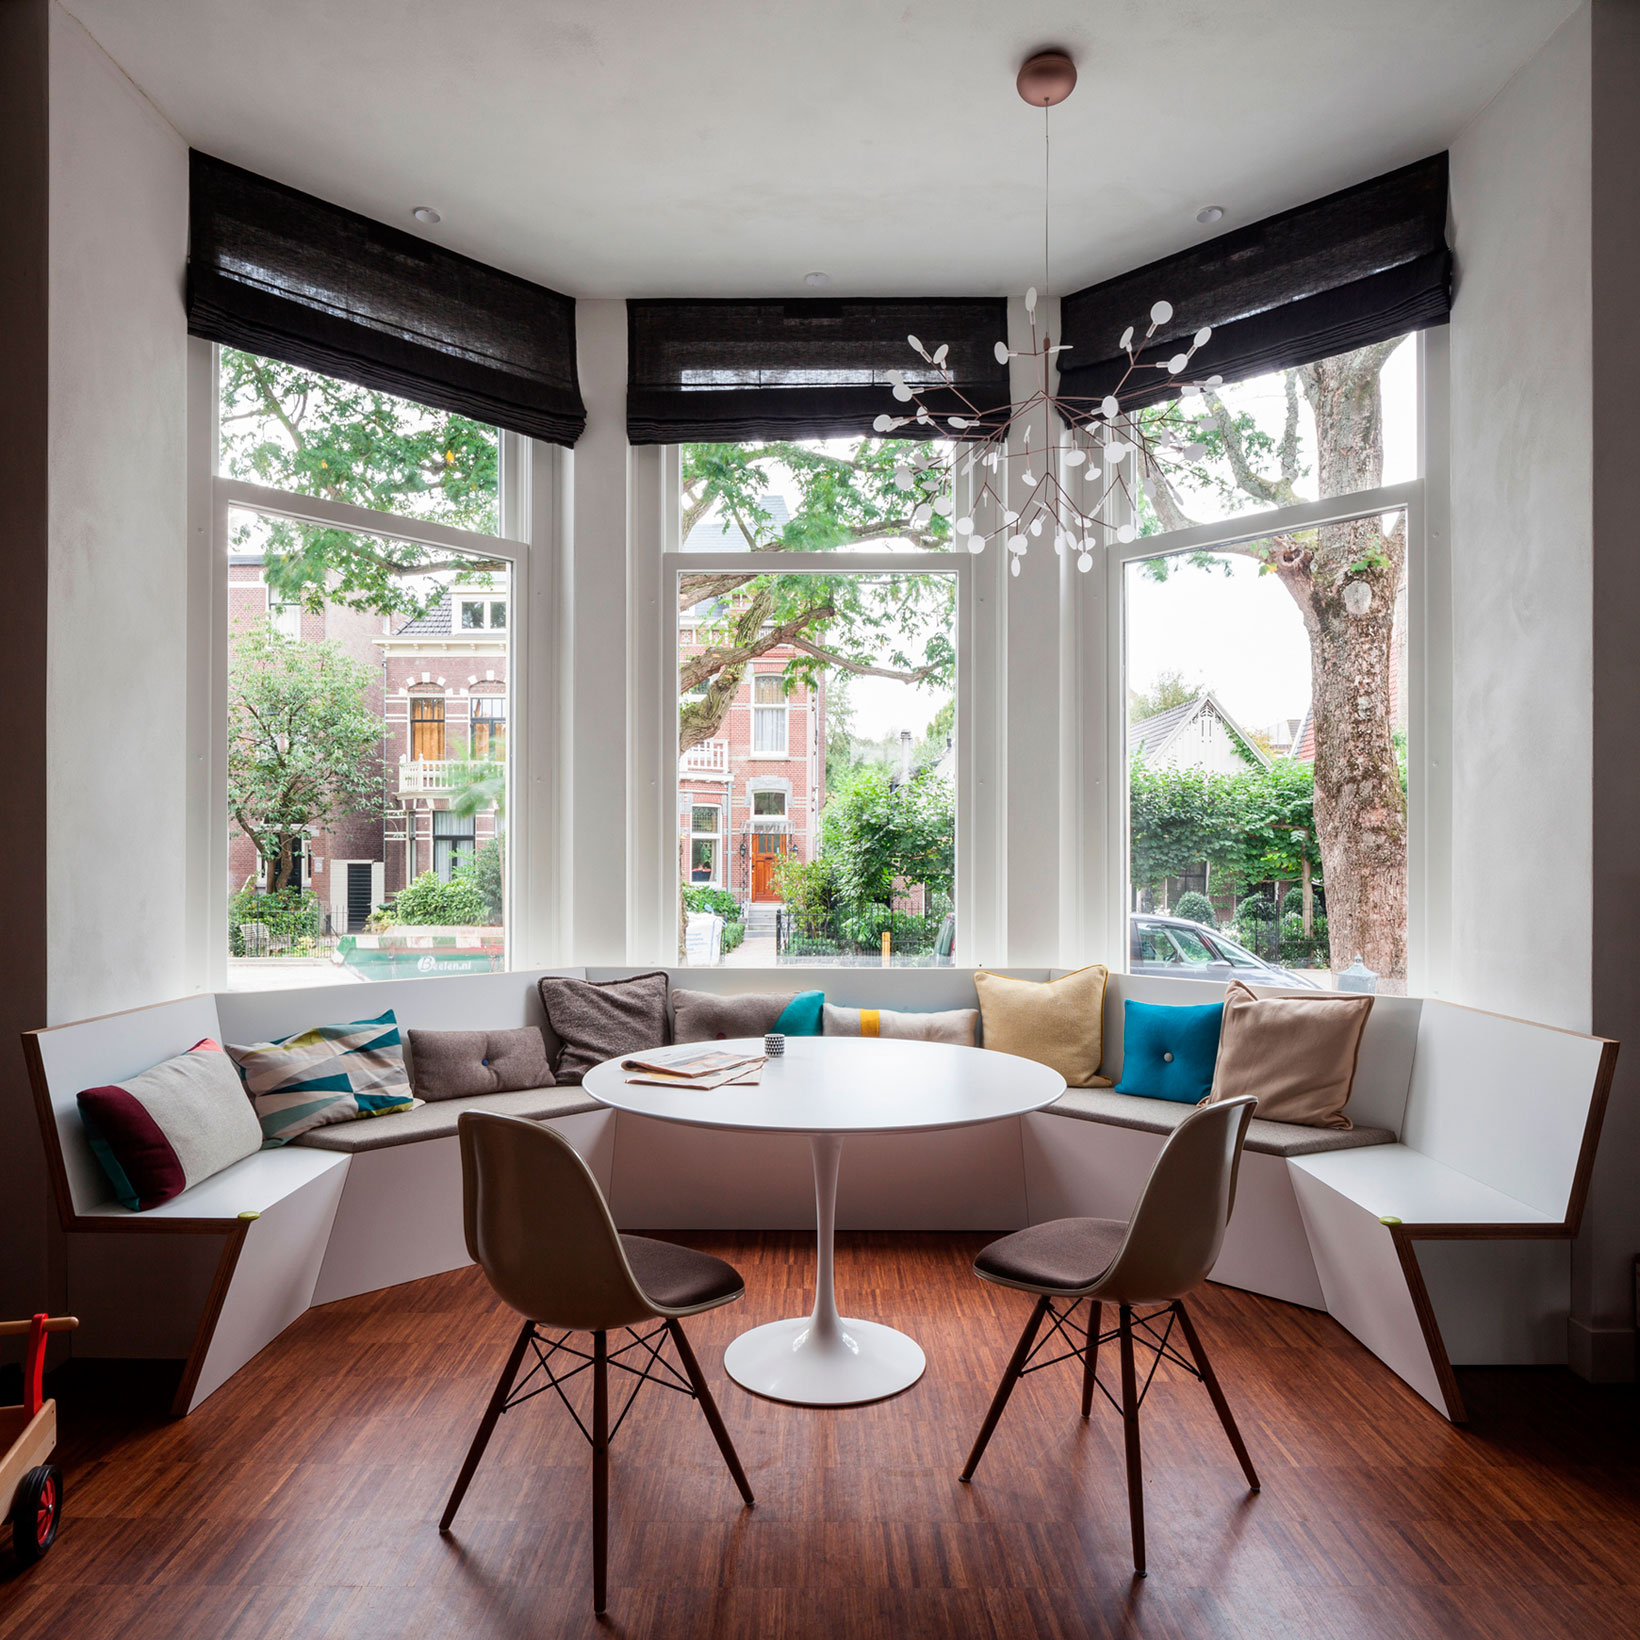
x: 1436, y: 1229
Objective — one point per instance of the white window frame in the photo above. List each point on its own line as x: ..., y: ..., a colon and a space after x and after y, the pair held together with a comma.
x: 958, y: 565
x: 1423, y: 499
x: 282, y: 615
x: 486, y: 602
x: 784, y: 708
x: 717, y: 837
x: 531, y: 483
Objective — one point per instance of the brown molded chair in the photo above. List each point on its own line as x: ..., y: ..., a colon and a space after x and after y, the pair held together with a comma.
x: 1167, y: 1248
x: 538, y: 1227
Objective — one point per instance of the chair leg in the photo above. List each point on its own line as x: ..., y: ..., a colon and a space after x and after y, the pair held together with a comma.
x: 714, y: 1419
x: 1221, y: 1406
x: 1130, y: 1429
x: 486, y: 1426
x: 600, y: 1470
x: 1090, y: 1356
x: 1016, y: 1365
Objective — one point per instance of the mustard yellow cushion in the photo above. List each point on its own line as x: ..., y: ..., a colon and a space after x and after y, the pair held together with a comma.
x: 1059, y: 1023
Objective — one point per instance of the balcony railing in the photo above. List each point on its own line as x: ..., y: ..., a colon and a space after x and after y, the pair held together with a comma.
x: 424, y: 777
x: 709, y: 757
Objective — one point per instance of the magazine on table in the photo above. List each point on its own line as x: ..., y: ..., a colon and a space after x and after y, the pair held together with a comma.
x: 711, y: 1068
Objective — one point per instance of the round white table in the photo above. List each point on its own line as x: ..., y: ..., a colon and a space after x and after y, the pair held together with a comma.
x: 825, y: 1088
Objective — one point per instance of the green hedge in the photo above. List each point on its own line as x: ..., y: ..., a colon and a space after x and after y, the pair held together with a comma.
x: 292, y: 916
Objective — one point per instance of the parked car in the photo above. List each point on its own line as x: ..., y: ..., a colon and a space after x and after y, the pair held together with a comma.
x: 1188, y: 950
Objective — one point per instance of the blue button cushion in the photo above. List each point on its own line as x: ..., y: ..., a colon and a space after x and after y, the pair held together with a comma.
x: 1168, y: 1052
x: 804, y: 1015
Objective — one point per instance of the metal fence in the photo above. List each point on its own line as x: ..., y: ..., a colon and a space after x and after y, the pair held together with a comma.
x: 902, y: 939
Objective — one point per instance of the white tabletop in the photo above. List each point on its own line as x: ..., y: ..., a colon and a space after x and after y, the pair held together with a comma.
x: 843, y: 1084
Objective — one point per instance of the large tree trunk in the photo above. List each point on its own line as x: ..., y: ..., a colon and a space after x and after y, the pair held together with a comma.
x: 1360, y: 810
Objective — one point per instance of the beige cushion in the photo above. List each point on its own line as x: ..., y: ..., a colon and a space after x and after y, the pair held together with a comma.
x: 457, y: 1064
x: 437, y: 1120
x: 1059, y: 1023
x: 698, y: 1016
x: 954, y: 1025
x: 1295, y: 1055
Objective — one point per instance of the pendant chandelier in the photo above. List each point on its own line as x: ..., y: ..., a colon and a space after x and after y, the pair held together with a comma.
x: 1032, y: 480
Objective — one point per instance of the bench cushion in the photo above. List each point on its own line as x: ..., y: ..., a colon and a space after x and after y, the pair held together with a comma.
x: 437, y: 1120
x: 1163, y: 1115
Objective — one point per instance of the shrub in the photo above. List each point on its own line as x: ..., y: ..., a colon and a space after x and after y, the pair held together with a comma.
x: 429, y: 903
x: 809, y: 890
x: 1194, y: 907
x: 486, y: 873
x: 291, y: 915
x: 717, y: 900
x: 733, y: 934
x: 1256, y: 908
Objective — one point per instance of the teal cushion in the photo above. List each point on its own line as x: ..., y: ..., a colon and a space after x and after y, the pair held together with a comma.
x: 804, y: 1015
x: 1169, y: 1053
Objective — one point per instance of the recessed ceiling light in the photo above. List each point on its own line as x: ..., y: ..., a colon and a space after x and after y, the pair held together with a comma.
x: 426, y: 214
x: 817, y: 281
x: 1210, y: 213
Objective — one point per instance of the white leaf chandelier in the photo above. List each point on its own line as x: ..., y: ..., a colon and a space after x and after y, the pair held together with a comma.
x: 1055, y: 483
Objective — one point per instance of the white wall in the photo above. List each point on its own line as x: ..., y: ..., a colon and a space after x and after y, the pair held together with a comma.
x: 1521, y: 362
x: 114, y: 853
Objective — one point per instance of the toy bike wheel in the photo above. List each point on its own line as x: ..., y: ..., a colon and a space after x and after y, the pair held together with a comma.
x: 36, y: 1511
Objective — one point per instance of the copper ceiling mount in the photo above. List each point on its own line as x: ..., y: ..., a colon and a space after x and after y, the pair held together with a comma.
x: 1046, y: 78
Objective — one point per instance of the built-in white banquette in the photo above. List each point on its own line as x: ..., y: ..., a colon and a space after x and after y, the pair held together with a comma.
x: 1437, y: 1231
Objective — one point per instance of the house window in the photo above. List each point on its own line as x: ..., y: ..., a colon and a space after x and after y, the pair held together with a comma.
x: 769, y: 715
x: 489, y: 728
x: 768, y: 806
x: 427, y: 728
x: 483, y: 614
x: 285, y: 617
x: 454, y: 842
x: 705, y: 845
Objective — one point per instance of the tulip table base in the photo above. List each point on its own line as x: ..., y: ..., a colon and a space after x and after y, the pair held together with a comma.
x: 824, y: 1359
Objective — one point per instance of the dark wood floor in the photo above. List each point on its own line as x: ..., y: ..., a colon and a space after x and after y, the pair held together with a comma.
x: 301, y: 1500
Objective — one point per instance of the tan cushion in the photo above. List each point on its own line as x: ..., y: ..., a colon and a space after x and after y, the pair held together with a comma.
x: 1059, y: 1023
x: 438, y: 1119
x: 1295, y: 1055
x: 953, y: 1025
x: 457, y: 1064
x: 698, y: 1016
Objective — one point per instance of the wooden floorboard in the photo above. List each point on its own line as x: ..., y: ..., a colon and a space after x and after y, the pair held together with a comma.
x: 300, y: 1502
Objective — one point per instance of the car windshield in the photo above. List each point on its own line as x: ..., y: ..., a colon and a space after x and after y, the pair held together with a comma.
x: 1192, y: 947
x: 1237, y: 956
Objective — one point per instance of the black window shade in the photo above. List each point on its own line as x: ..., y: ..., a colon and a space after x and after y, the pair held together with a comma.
x: 278, y: 272
x: 726, y: 371
x: 1360, y: 266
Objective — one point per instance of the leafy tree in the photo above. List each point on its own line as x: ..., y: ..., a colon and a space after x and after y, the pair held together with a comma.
x: 1167, y: 691
x: 486, y: 872
x: 304, y: 745
x: 1176, y: 820
x: 1360, y: 804
x: 878, y: 837
x: 896, y: 627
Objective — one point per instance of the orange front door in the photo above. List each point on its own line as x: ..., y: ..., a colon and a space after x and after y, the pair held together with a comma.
x: 767, y: 847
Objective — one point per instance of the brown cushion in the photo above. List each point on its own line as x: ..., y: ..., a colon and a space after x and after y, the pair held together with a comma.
x: 601, y: 1019
x: 1059, y: 1023
x: 458, y: 1064
x: 1061, y: 1255
x: 1295, y: 1055
x: 698, y: 1016
x: 679, y: 1278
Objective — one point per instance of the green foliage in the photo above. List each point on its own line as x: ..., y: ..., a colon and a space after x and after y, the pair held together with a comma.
x: 908, y: 933
x: 875, y: 833
x: 1194, y: 907
x: 1256, y: 908
x: 304, y: 746
x: 713, y: 899
x: 427, y: 902
x: 809, y: 891
x: 293, y: 917
x: 487, y: 872
x: 1168, y: 690
x: 298, y: 430
x: 733, y: 934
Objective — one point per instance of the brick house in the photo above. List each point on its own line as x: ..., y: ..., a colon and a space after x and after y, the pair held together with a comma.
x: 753, y: 792
x: 439, y: 683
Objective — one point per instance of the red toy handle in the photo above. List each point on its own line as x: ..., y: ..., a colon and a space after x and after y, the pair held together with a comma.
x: 34, y: 1368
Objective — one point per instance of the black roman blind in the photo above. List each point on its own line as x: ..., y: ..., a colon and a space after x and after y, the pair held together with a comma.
x: 278, y: 272
x: 715, y: 371
x: 1360, y: 266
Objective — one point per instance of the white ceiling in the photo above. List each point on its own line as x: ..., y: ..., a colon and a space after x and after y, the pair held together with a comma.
x: 727, y: 147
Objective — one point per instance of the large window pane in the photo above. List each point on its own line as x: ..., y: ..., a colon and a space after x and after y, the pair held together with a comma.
x: 1266, y: 739
x: 817, y: 767
x: 311, y: 434
x: 367, y: 764
x: 1327, y: 429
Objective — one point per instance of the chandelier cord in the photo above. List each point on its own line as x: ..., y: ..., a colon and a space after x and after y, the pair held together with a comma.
x: 1047, y: 197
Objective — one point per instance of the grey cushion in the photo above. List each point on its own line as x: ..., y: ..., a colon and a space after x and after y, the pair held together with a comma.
x: 680, y: 1278
x: 457, y: 1064
x: 438, y: 1119
x: 1163, y: 1115
x: 698, y: 1016
x: 1063, y: 1255
x: 601, y: 1019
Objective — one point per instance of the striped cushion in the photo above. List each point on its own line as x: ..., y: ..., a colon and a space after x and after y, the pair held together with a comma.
x: 329, y: 1073
x: 954, y: 1025
x: 158, y: 1133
